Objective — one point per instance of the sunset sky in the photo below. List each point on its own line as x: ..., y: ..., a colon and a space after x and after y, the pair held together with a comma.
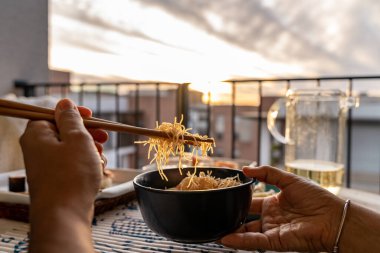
x: 208, y: 41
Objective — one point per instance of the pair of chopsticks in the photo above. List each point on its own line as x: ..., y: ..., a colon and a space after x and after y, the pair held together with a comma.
x: 20, y: 110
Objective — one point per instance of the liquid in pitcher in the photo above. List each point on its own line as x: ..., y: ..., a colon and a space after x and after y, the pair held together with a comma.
x: 329, y: 175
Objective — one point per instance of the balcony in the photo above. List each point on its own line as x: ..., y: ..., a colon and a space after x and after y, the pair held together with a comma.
x: 237, y: 120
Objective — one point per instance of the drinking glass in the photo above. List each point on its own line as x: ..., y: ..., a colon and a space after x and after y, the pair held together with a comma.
x: 315, y: 132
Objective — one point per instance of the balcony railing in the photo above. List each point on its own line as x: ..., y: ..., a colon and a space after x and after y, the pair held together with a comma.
x: 240, y: 126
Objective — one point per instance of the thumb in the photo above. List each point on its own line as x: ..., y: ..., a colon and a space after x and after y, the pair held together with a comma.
x: 271, y: 175
x: 68, y: 119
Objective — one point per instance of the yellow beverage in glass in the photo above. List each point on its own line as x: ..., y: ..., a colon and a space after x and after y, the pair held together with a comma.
x: 329, y: 175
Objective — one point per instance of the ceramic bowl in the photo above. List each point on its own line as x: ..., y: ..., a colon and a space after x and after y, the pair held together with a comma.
x: 192, y: 216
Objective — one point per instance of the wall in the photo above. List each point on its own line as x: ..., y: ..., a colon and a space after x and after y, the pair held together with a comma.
x: 23, y: 42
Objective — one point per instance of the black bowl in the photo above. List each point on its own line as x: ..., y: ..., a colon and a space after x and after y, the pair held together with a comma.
x: 192, y: 216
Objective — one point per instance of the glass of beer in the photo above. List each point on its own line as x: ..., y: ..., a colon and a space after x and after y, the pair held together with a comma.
x: 315, y: 134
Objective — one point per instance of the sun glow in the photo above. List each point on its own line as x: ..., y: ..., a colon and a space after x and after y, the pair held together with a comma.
x: 217, y: 89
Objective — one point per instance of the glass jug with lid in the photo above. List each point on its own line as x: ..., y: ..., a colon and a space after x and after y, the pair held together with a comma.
x: 315, y: 124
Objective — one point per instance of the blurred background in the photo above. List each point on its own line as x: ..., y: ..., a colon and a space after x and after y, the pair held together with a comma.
x: 220, y: 63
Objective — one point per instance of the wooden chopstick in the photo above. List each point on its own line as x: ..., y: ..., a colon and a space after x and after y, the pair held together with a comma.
x: 33, y: 108
x: 20, y: 110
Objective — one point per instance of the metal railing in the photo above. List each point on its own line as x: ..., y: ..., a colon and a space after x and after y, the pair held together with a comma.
x: 184, y: 106
x: 96, y: 93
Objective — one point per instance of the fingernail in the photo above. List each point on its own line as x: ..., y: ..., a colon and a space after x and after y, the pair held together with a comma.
x: 66, y: 104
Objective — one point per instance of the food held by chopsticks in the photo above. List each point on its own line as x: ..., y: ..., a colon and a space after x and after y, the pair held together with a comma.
x: 167, y: 139
x: 20, y: 110
x: 164, y: 148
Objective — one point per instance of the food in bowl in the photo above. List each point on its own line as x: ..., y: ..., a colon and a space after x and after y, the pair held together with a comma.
x: 193, y: 216
x: 206, y: 181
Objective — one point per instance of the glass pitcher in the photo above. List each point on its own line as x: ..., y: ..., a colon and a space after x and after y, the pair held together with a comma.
x: 314, y: 138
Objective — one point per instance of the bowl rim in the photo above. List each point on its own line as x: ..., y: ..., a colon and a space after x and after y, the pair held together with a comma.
x: 250, y: 182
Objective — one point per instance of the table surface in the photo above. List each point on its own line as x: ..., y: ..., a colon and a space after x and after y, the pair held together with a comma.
x: 124, y: 229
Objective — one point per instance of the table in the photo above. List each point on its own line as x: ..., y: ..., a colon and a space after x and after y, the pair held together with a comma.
x: 123, y: 230
x: 119, y: 230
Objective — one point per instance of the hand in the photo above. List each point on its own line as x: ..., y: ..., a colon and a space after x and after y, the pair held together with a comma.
x: 63, y: 161
x: 302, y: 217
x: 64, y: 169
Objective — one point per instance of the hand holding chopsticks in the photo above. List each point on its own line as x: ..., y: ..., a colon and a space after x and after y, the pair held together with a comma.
x: 20, y: 110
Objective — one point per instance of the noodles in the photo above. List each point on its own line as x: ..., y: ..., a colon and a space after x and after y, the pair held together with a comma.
x: 175, y: 145
x: 205, y: 182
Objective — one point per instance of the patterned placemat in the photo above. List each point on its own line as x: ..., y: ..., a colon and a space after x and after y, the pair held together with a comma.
x: 119, y: 230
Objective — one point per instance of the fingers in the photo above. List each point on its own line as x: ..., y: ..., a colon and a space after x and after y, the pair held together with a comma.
x: 103, y: 158
x: 271, y: 175
x: 99, y: 147
x: 69, y: 120
x: 99, y: 135
x: 84, y: 112
x: 246, y: 241
x: 104, y: 161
